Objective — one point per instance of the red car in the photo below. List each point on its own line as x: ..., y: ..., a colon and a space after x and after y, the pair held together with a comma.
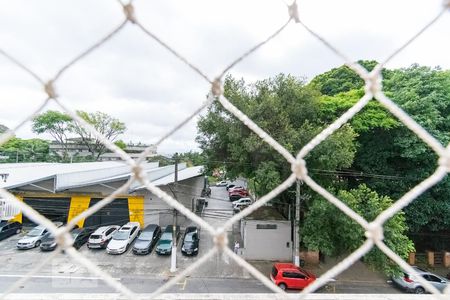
x: 238, y: 194
x: 288, y: 276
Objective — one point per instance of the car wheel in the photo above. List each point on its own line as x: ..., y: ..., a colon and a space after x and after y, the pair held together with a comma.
x: 18, y: 230
x: 419, y: 290
x: 282, y: 286
x: 37, y: 244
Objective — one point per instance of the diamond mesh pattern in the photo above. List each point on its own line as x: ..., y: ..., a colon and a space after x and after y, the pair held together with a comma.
x: 374, y: 229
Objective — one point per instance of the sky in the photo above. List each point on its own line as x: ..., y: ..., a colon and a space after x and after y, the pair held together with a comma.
x: 133, y: 78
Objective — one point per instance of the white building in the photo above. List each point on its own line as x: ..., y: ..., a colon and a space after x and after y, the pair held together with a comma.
x: 266, y: 235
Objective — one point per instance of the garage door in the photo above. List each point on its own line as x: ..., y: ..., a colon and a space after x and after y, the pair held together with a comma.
x: 54, y: 209
x: 115, y: 213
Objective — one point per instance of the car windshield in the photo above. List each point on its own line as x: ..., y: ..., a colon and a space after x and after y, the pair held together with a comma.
x: 96, y: 236
x: 35, y: 232
x: 121, y: 235
x: 146, y: 236
x: 167, y: 236
x: 189, y: 237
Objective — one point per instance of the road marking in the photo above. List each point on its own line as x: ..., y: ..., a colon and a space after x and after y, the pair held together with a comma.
x: 56, y: 276
x: 183, y: 284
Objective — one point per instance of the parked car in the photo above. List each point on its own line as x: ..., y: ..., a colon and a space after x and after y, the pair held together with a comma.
x: 230, y: 185
x: 34, y: 237
x: 289, y: 276
x: 164, y: 246
x: 235, y: 188
x: 240, y: 206
x: 8, y: 229
x: 191, y: 241
x: 244, y: 200
x: 48, y: 242
x: 147, y: 240
x: 101, y: 237
x: 80, y: 236
x: 238, y: 194
x: 122, y: 238
x: 409, y: 282
x: 222, y: 183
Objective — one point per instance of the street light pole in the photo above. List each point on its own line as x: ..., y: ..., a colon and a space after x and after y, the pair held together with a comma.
x: 173, y: 261
x: 297, y: 225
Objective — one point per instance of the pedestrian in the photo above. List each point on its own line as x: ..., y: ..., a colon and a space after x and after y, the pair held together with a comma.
x: 236, y: 247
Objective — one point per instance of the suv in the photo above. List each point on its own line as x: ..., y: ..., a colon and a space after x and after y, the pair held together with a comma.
x: 101, y: 237
x: 245, y: 200
x: 147, y: 239
x: 289, y: 276
x: 123, y: 238
x: 238, y: 194
x: 8, y: 229
x: 409, y: 282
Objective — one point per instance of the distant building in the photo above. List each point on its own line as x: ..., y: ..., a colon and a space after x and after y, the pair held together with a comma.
x: 77, y: 149
x: 266, y: 235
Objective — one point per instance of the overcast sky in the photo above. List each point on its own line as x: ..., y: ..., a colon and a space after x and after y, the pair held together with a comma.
x: 134, y: 79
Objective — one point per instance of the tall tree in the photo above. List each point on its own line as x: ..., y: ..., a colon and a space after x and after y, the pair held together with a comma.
x: 332, y: 232
x: 20, y: 150
x: 389, y: 150
x: 55, y: 123
x: 285, y: 108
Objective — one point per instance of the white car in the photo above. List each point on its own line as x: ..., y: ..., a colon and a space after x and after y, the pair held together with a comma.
x: 101, y: 237
x: 222, y: 183
x: 34, y: 237
x: 240, y: 206
x: 245, y: 200
x: 122, y: 238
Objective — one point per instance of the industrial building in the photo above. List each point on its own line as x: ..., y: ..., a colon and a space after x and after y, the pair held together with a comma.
x: 62, y: 191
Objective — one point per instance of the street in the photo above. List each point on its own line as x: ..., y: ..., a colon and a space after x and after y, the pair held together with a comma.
x: 144, y: 274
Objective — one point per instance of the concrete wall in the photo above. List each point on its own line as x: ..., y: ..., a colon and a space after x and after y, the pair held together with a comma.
x: 266, y: 244
x: 156, y: 211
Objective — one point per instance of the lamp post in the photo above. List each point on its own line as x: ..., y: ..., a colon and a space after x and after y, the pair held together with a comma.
x: 173, y: 260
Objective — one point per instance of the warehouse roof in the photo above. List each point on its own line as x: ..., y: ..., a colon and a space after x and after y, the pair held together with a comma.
x: 74, y: 175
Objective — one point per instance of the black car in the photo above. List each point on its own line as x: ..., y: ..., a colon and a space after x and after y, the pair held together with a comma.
x: 147, y: 239
x: 8, y: 229
x: 191, y: 241
x: 48, y: 242
x: 81, y: 236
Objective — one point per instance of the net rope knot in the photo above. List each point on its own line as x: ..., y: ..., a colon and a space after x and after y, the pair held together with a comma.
x: 63, y: 238
x: 375, y: 232
x: 50, y: 90
x: 373, y: 82
x: 293, y: 12
x: 299, y: 169
x: 221, y: 240
x: 129, y: 13
x: 216, y: 87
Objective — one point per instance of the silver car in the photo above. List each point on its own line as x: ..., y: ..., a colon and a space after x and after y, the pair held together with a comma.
x: 34, y: 237
x: 409, y: 282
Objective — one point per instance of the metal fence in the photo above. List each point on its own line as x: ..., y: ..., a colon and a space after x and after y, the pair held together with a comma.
x: 373, y: 230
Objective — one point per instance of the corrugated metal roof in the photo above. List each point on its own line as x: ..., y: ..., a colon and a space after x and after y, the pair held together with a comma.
x: 76, y: 175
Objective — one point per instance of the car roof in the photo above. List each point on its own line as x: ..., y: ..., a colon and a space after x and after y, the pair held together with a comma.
x: 150, y: 228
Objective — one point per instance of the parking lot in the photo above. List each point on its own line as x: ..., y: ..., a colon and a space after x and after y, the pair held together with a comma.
x: 14, y: 261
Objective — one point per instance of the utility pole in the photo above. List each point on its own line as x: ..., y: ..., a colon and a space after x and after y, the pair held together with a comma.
x: 297, y: 225
x: 173, y: 261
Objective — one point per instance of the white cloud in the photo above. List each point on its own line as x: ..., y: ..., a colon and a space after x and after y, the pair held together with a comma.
x: 133, y: 78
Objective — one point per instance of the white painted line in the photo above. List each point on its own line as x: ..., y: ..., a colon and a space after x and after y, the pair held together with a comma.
x: 55, y: 276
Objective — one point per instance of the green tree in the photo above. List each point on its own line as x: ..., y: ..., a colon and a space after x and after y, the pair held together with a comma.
x: 20, y: 150
x: 121, y: 144
x: 192, y: 158
x: 387, y: 147
x: 55, y: 123
x: 108, y: 126
x: 285, y: 108
x: 330, y: 231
